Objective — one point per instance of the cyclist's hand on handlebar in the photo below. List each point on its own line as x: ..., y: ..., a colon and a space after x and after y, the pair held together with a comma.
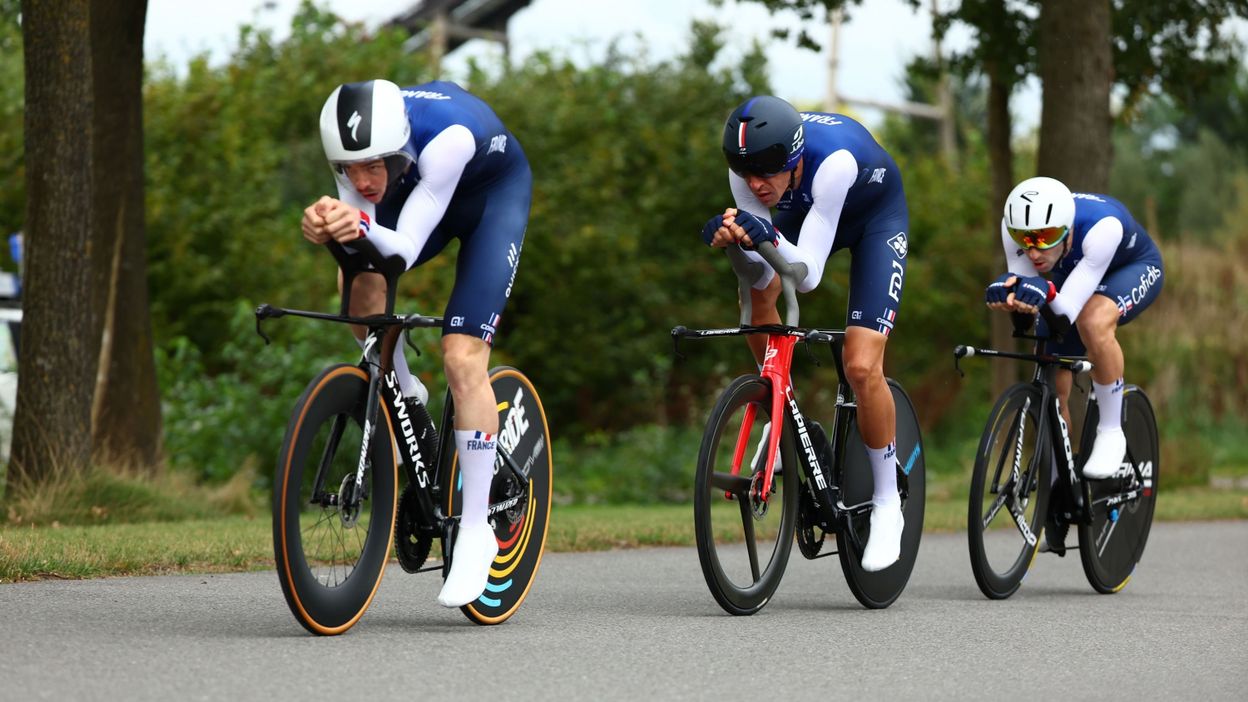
x: 1032, y: 293
x: 340, y: 221
x: 756, y: 229
x: 313, y: 225
x: 1000, y: 294
x: 720, y: 231
x: 714, y: 233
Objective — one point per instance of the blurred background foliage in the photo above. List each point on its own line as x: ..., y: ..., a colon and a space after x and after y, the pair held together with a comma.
x: 625, y: 153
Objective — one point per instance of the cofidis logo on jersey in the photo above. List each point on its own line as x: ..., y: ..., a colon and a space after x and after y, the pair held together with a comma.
x: 1150, y: 277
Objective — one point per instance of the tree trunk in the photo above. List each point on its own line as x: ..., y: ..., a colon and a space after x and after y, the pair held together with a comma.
x: 1076, y: 68
x: 1001, y: 166
x: 126, y: 423
x: 60, y: 349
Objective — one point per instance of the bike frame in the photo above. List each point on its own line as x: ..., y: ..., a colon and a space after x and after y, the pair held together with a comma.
x: 379, y: 345
x: 1052, y: 425
x: 777, y: 366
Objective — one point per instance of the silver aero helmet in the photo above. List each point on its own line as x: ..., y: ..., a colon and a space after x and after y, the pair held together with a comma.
x: 367, y: 121
x: 1039, y: 212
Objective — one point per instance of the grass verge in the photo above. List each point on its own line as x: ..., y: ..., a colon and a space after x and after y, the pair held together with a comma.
x: 241, y: 543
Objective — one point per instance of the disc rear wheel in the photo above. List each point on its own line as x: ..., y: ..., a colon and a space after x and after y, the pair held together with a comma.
x: 1122, y: 505
x: 879, y: 589
x: 519, y: 504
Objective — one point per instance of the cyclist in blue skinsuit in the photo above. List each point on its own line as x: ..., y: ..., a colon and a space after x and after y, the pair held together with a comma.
x: 833, y: 187
x: 1103, y: 271
x: 415, y: 168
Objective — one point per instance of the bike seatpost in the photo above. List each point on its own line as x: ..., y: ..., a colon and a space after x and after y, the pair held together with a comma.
x: 750, y: 272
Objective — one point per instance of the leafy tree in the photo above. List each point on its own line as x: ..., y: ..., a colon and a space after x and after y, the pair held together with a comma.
x: 234, y: 155
x: 12, y: 107
x: 60, y: 334
x: 125, y: 417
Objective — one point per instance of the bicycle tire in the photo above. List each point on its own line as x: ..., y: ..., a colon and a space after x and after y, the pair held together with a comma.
x: 1000, y: 560
x: 521, y: 529
x: 730, y: 555
x: 331, y: 559
x: 1112, y: 542
x: 879, y: 589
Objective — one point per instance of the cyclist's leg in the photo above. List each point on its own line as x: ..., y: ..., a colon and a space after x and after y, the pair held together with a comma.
x: 763, y: 311
x: 877, y: 274
x: 488, y: 258
x: 1124, y: 294
x: 368, y: 297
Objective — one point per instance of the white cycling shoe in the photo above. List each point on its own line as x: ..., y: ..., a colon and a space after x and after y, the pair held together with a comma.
x: 1107, y: 453
x: 475, y: 549
x: 884, y: 544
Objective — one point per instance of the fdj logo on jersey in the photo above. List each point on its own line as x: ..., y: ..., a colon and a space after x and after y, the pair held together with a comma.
x: 895, y: 281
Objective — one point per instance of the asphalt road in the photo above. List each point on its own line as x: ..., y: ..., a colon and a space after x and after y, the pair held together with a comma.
x: 640, y: 624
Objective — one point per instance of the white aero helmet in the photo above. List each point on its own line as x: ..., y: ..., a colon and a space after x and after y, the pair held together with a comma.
x: 1039, y: 212
x: 365, y: 122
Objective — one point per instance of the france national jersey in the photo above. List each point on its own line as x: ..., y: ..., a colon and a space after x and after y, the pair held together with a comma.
x: 470, y: 181
x: 850, y: 196
x: 1110, y: 254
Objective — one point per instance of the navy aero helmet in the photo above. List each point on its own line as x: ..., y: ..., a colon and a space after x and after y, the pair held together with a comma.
x: 764, y: 137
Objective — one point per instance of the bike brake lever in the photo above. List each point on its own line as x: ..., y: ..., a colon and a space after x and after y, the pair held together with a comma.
x: 806, y: 342
x: 677, y: 332
x: 960, y: 352
x: 407, y: 339
x: 263, y: 312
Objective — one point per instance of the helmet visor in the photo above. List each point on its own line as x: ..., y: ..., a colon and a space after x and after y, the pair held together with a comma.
x: 764, y: 162
x: 1044, y: 238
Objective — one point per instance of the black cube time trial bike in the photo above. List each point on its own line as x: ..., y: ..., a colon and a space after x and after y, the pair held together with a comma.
x: 803, y: 482
x: 337, y: 505
x: 1017, y: 503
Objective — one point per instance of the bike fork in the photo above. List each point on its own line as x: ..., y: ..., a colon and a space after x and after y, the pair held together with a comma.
x: 776, y: 363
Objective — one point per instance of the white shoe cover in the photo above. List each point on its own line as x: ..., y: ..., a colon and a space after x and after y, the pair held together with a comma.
x: 1107, y: 453
x: 475, y: 549
x: 884, y: 544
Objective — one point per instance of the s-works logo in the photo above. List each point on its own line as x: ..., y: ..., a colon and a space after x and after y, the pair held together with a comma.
x: 354, y: 124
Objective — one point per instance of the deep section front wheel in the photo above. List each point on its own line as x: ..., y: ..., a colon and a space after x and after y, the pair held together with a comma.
x: 744, y: 533
x: 1009, y: 493
x: 519, y: 504
x: 332, y: 536
x: 1112, y: 543
x: 881, y: 588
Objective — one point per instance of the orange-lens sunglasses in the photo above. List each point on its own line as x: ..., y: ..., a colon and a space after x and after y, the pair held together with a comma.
x: 1045, y: 238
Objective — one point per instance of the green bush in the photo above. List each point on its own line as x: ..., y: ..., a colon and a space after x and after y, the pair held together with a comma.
x: 215, y: 423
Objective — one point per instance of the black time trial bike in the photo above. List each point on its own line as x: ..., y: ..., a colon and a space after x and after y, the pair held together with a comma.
x: 1018, y: 504
x: 338, y: 509
x: 803, y: 482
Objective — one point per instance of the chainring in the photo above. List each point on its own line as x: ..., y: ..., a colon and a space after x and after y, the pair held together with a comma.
x: 411, y: 546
